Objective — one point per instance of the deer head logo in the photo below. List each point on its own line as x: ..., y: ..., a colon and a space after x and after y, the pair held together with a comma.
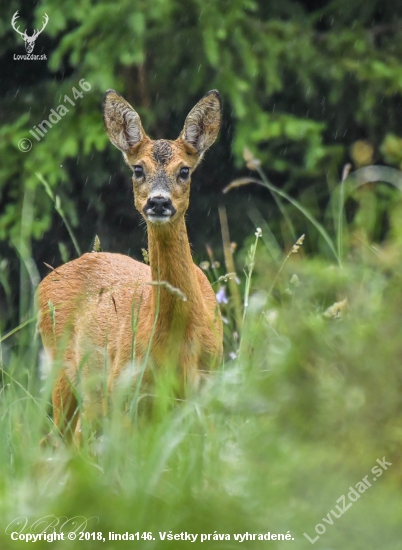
x: 29, y: 40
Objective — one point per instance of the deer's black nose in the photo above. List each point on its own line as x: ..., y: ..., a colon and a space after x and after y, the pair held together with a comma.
x: 159, y: 206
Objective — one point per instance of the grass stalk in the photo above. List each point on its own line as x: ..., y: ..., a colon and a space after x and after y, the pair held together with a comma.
x: 345, y: 173
x: 250, y: 263
x: 57, y: 205
x: 230, y: 267
x: 134, y: 405
x: 295, y: 248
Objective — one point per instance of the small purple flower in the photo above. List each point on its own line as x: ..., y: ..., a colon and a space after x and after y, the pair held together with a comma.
x: 221, y: 296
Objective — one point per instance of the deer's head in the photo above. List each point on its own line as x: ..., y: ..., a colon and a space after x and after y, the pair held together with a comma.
x: 29, y: 40
x: 162, y: 169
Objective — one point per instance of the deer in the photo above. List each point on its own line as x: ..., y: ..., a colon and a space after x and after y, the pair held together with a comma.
x: 29, y: 40
x: 102, y: 309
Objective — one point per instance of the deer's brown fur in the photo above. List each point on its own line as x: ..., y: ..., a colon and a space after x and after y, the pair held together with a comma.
x: 89, y: 305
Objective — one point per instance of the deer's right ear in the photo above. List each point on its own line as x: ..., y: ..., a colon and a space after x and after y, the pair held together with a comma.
x: 122, y: 122
x: 203, y: 122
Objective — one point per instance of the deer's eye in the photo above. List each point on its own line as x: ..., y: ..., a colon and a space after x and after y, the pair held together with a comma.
x: 184, y: 173
x: 138, y: 171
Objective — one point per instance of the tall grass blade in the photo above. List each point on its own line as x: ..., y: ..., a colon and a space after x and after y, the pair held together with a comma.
x: 60, y: 211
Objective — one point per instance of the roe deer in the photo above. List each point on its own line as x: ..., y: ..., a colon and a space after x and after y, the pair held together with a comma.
x: 86, y: 306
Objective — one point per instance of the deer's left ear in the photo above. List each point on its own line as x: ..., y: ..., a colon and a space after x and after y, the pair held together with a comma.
x: 122, y: 122
x: 203, y: 122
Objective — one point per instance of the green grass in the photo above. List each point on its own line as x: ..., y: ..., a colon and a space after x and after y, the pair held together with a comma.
x: 275, y: 438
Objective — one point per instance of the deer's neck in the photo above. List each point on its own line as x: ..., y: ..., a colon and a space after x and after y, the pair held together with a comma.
x: 171, y: 261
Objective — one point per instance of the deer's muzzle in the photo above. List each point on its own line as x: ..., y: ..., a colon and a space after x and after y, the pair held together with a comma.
x: 159, y: 209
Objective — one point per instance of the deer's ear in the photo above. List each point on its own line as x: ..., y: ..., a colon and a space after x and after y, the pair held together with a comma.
x: 203, y: 122
x: 122, y: 122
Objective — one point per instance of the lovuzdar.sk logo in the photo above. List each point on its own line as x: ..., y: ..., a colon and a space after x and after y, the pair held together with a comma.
x: 29, y: 40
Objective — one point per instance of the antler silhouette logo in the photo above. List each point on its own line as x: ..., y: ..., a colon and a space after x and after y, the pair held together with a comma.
x: 29, y: 40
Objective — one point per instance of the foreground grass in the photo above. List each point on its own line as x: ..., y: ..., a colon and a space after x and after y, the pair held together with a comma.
x: 276, y: 437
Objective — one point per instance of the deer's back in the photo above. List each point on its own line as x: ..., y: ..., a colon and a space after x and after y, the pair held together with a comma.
x: 91, y: 297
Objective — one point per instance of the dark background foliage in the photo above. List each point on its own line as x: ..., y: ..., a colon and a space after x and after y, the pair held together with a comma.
x: 307, y: 86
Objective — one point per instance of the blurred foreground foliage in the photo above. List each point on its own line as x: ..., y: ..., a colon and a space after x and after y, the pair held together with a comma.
x: 305, y: 84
